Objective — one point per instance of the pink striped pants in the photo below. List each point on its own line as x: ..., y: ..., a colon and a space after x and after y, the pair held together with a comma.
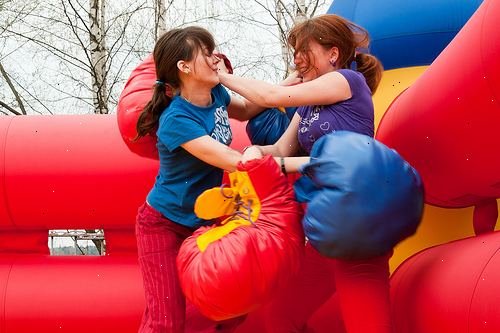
x: 158, y: 242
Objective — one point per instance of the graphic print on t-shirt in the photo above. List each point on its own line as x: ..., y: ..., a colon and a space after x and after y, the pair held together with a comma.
x: 307, y: 121
x: 221, y: 131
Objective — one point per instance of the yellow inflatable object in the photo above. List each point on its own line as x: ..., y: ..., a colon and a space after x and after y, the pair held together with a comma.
x: 240, y: 201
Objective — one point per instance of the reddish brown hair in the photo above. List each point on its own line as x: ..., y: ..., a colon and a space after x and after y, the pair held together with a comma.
x: 334, y: 31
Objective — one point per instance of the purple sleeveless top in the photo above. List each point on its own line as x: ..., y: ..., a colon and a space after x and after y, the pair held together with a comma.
x: 354, y: 114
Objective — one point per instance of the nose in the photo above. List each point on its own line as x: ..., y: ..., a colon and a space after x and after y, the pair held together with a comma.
x: 296, y: 58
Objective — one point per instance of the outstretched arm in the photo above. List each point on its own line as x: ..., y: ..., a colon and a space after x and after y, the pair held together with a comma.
x: 327, y: 89
x: 288, y: 144
x: 243, y: 109
x: 213, y: 152
x: 290, y: 164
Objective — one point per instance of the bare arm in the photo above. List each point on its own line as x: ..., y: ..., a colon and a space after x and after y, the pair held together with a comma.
x: 291, y: 164
x: 327, y: 89
x: 243, y: 109
x: 213, y: 152
x: 285, y: 147
x: 288, y: 143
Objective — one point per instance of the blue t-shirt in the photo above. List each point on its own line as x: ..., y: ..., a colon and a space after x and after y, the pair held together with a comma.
x: 355, y: 114
x: 183, y: 177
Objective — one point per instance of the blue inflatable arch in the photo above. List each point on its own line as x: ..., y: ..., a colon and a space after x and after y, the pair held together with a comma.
x: 407, y: 33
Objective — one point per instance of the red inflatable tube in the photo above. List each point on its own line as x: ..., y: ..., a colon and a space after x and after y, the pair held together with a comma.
x: 449, y: 288
x: 73, y: 172
x: 446, y: 125
x: 46, y: 294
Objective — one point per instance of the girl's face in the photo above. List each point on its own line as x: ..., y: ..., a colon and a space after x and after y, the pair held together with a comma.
x: 319, y: 61
x: 203, y: 68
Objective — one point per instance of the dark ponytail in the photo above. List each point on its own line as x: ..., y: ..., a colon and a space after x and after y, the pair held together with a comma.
x: 171, y: 47
x: 150, y: 115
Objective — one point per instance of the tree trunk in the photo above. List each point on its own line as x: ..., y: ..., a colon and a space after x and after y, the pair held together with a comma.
x: 282, y: 30
x: 98, y: 55
x: 300, y: 14
x: 160, y: 13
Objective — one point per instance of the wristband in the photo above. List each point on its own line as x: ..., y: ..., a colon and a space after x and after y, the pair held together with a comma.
x: 282, y: 165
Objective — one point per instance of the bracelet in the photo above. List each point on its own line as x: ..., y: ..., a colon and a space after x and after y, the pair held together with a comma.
x: 282, y: 165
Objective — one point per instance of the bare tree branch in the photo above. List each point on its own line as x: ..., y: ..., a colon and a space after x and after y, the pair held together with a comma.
x: 9, y: 108
x: 290, y: 14
x: 55, y: 51
x: 75, y: 33
x: 316, y: 6
x: 28, y: 92
x: 13, y: 89
x: 77, y: 13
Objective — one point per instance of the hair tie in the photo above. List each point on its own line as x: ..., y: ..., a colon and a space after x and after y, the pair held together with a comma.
x: 160, y: 83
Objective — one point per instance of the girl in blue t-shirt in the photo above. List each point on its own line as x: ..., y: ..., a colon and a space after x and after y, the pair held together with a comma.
x: 331, y: 97
x: 193, y: 137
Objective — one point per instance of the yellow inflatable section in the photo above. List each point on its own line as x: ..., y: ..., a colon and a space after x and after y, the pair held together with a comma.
x: 439, y: 225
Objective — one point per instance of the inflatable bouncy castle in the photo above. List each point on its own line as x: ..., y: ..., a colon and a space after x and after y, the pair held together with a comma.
x: 445, y: 125
x: 438, y: 106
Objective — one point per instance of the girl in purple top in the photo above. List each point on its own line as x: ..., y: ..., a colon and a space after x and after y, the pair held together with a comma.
x: 331, y: 97
x: 354, y: 114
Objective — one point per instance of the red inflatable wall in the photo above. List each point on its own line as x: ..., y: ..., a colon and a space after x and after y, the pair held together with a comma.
x: 71, y: 172
x: 68, y: 172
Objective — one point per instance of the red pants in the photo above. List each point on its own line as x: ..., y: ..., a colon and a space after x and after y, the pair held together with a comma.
x: 361, y: 286
x: 158, y: 242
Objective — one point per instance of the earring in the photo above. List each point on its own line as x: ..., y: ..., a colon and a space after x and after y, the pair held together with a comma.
x: 333, y: 62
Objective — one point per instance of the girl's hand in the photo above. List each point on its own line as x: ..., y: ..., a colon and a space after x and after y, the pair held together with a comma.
x: 221, y: 67
x: 223, y: 76
x: 294, y: 78
x: 250, y: 153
